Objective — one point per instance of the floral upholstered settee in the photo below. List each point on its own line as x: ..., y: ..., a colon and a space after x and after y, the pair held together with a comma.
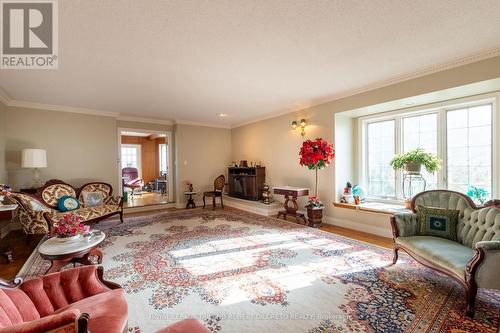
x: 38, y: 212
x: 473, y: 260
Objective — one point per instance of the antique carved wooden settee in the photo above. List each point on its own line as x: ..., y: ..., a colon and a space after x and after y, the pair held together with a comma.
x: 38, y: 212
x: 473, y: 260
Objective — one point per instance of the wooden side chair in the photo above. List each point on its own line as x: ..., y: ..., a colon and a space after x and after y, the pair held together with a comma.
x: 219, y: 184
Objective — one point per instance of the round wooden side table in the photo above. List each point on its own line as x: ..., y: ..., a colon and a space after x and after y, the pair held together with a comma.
x: 80, y: 251
x: 190, y: 200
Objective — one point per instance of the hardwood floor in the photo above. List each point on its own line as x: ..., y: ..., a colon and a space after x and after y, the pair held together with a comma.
x: 16, y: 240
x: 145, y: 199
x: 359, y: 235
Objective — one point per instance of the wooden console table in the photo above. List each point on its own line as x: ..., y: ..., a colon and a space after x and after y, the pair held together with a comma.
x: 291, y: 194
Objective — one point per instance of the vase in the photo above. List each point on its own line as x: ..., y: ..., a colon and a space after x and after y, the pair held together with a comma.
x: 190, y: 187
x: 69, y: 239
x: 314, y: 216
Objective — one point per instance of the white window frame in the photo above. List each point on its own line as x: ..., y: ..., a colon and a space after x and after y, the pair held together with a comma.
x: 138, y: 148
x: 441, y: 110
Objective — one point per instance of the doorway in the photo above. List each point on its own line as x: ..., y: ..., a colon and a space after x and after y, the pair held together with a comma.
x: 144, y: 164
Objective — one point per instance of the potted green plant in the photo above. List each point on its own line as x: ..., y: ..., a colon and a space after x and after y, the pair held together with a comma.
x: 412, y: 161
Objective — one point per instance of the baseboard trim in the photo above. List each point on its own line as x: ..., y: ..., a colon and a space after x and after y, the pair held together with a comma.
x: 349, y: 224
x: 148, y: 208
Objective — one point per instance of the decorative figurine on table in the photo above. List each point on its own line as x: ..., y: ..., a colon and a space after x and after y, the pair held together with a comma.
x: 347, y: 196
x: 357, y: 191
x: 266, y: 194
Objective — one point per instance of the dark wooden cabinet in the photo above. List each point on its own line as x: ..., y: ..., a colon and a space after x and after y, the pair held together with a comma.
x: 246, y: 183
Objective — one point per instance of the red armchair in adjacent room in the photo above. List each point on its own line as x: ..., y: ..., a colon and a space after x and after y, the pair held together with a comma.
x: 75, y: 300
x: 130, y: 179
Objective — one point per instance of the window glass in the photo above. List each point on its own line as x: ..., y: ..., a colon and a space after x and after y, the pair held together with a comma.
x: 381, y: 150
x: 422, y: 132
x: 130, y: 156
x: 163, y: 157
x: 469, y: 148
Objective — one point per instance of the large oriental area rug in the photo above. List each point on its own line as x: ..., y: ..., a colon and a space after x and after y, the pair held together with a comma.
x: 240, y: 272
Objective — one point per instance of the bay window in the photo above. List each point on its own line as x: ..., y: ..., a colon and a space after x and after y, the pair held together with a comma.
x: 461, y: 135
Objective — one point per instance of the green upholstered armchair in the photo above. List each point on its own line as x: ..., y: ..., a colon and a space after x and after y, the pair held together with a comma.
x: 474, y: 260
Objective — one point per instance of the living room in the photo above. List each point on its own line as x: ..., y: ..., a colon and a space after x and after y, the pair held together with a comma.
x: 313, y: 226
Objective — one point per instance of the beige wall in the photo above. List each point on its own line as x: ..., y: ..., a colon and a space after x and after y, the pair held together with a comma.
x: 80, y: 148
x: 3, y: 170
x: 202, y: 154
x: 273, y: 142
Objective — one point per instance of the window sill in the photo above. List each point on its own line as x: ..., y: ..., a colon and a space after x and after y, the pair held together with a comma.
x: 374, y: 207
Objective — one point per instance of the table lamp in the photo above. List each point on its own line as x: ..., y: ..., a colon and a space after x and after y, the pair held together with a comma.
x: 35, y: 159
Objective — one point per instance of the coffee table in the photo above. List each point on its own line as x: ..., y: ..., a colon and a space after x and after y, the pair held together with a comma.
x: 80, y: 251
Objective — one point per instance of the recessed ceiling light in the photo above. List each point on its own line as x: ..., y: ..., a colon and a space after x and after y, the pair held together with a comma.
x: 221, y: 114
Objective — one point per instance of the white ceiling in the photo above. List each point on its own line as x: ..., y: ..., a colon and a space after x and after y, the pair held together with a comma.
x: 188, y: 60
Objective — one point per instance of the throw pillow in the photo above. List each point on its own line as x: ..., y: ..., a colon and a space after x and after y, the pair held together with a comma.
x: 67, y: 203
x: 93, y: 199
x: 438, y: 222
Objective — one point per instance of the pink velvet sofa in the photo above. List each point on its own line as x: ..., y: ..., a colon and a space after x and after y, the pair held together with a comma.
x: 75, y: 300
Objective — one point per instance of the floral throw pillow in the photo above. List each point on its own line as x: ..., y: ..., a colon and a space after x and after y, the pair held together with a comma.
x: 93, y: 199
x: 438, y: 222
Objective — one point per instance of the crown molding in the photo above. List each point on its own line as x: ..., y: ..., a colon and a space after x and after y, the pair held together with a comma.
x: 196, y: 123
x: 52, y: 107
x: 428, y: 70
x: 4, y: 97
x: 145, y: 120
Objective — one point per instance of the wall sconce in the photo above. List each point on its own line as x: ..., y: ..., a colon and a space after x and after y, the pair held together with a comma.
x: 300, y: 124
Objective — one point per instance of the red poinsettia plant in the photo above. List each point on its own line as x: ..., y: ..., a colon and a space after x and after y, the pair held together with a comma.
x: 70, y: 225
x: 315, y: 155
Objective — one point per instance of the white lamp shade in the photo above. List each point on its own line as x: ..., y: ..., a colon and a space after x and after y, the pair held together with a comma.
x: 34, y: 158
